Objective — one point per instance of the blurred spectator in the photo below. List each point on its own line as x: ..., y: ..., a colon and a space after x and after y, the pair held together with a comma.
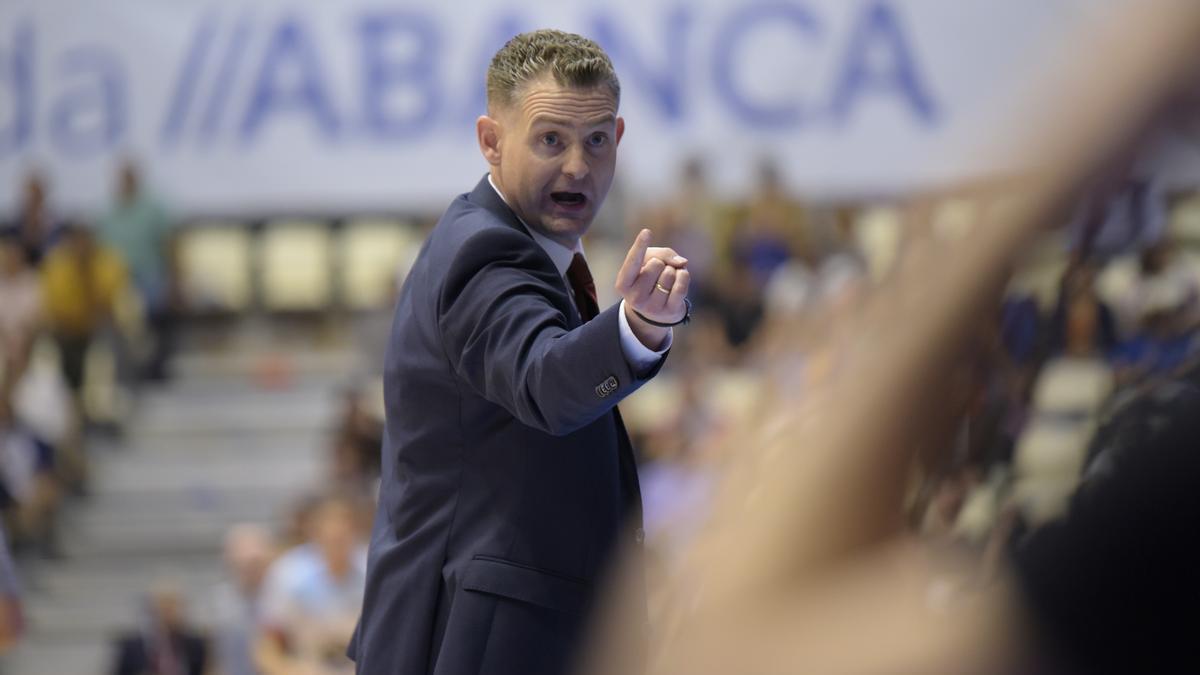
x: 20, y: 312
x: 357, y: 444
x: 313, y: 595
x: 12, y: 623
x: 165, y: 644
x: 29, y: 486
x: 771, y: 238
x: 236, y: 601
x: 688, y: 220
x: 139, y: 229
x: 1164, y: 279
x: 1163, y: 342
x: 28, y: 482
x: 1082, y: 324
x: 741, y: 305
x: 792, y: 290
x: 82, y: 281
x: 297, y: 526
x: 774, y: 229
x: 1021, y: 328
x: 34, y: 226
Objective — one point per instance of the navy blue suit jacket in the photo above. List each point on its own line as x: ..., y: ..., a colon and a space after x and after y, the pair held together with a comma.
x: 508, y: 477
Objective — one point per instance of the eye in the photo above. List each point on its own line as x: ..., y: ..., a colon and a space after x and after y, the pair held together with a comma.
x: 550, y: 139
x: 597, y: 139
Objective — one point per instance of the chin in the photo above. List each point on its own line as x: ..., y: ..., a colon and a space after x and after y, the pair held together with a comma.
x: 569, y: 225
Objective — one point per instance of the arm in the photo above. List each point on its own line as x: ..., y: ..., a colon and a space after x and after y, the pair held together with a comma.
x: 502, y: 321
x: 796, y: 570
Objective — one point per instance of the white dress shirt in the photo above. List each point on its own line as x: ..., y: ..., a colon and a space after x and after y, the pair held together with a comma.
x: 639, y: 355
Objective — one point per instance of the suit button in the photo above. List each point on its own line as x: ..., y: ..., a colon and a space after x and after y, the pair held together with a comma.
x: 639, y: 536
x: 607, y: 387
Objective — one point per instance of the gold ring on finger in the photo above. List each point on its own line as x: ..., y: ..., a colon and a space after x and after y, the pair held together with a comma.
x: 662, y: 288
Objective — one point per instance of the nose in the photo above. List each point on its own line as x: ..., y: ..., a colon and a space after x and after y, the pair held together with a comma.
x: 575, y: 167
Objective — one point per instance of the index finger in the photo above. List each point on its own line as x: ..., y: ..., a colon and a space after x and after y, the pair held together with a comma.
x: 633, y: 261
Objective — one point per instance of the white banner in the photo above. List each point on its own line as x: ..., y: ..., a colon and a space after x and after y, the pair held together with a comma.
x: 293, y: 105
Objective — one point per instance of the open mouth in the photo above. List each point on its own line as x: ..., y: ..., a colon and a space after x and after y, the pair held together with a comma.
x: 569, y: 200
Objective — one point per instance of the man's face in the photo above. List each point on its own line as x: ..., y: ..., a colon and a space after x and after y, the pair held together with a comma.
x: 333, y: 530
x: 554, y: 155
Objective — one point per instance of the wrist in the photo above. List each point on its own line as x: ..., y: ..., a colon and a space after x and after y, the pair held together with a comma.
x: 652, y: 337
x: 687, y: 316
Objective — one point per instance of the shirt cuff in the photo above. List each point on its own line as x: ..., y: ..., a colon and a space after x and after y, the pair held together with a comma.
x: 639, y: 355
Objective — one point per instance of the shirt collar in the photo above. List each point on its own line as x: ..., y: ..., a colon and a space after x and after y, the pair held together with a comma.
x: 560, y: 255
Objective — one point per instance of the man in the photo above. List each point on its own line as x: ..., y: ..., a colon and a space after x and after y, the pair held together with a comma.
x: 82, y: 282
x: 34, y: 226
x: 165, y: 644
x: 312, y: 594
x: 507, y: 473
x: 234, y: 603
x: 139, y: 228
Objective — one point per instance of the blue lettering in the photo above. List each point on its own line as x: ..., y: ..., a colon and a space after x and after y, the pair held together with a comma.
x: 89, y: 117
x: 384, y: 74
x: 290, y: 47
x: 20, y: 75
x: 741, y: 23
x: 220, y: 91
x: 878, y: 58
x: 185, y: 86
x: 666, y: 86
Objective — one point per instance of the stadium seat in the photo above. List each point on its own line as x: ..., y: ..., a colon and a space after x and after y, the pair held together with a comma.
x: 878, y: 233
x: 1116, y: 281
x: 1041, y: 280
x: 1050, y: 449
x: 1076, y: 387
x: 215, y: 267
x: 295, y: 266
x: 1184, y: 223
x: 1043, y: 500
x: 1048, y: 461
x: 373, y: 258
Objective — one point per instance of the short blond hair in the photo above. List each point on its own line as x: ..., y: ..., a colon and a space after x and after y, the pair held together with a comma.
x: 573, y: 61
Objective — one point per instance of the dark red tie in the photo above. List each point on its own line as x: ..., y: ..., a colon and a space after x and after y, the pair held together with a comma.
x: 584, y: 289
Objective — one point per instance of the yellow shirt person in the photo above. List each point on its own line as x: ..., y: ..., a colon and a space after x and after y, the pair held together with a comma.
x: 81, y: 282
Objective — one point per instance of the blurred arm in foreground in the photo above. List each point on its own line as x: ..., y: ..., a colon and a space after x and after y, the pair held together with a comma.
x: 805, y: 565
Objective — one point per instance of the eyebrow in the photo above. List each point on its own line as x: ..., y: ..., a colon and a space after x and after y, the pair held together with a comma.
x: 561, y: 121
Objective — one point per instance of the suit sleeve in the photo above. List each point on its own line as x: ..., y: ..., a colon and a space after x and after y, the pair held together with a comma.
x: 506, y: 336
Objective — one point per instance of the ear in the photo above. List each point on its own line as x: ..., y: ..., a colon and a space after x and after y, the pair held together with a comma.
x: 620, y: 129
x: 488, y: 131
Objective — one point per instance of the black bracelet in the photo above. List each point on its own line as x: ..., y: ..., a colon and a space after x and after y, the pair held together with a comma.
x: 687, y: 316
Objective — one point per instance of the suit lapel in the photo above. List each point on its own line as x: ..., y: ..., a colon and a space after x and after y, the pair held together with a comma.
x: 485, y: 196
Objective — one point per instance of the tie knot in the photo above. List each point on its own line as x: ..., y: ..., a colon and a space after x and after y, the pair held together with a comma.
x: 578, y: 273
